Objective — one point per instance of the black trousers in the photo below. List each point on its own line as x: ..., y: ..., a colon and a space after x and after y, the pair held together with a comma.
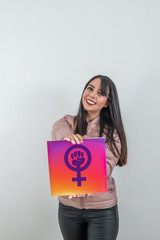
x: 88, y: 224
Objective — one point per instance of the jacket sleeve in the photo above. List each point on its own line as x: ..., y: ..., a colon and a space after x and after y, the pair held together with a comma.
x: 62, y: 128
x: 111, y: 159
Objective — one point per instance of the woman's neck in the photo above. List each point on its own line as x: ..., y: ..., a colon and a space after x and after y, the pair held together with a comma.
x: 90, y: 118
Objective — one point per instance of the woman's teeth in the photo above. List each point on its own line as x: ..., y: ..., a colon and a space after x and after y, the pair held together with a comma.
x: 90, y: 102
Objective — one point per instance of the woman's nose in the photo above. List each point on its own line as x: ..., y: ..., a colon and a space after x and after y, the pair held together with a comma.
x: 93, y: 95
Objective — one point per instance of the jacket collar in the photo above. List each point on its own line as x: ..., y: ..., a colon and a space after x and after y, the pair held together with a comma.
x: 95, y: 121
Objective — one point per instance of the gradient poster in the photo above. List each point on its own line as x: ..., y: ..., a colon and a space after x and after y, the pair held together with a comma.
x: 77, y: 168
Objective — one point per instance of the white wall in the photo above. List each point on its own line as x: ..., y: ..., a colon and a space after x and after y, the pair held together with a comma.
x: 48, y: 51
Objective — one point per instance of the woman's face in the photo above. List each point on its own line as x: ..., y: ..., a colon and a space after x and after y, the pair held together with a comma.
x: 93, y: 99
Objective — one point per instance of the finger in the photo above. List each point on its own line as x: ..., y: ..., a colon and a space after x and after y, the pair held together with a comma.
x: 74, y: 138
x: 81, y: 195
x: 89, y: 195
x: 84, y: 136
x: 70, y: 139
x: 73, y: 196
x: 67, y: 138
x: 78, y: 138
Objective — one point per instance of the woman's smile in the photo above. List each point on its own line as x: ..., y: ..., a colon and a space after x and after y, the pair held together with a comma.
x: 90, y: 102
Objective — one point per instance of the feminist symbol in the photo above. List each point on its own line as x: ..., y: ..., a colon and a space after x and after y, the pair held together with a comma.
x: 77, y: 160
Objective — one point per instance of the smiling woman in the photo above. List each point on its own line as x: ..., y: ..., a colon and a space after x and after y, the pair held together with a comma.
x: 94, y: 216
x: 94, y: 99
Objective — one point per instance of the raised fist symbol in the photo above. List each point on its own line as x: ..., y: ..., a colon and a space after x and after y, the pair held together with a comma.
x: 77, y: 158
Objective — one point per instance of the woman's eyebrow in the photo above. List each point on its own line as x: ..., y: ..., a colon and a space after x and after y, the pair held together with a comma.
x: 93, y: 86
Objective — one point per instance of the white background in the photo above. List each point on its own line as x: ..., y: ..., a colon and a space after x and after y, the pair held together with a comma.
x: 48, y: 51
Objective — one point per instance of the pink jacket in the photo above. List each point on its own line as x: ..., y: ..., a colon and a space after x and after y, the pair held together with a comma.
x: 64, y: 127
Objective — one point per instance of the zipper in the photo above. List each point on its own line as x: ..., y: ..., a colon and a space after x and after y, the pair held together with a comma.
x: 81, y: 202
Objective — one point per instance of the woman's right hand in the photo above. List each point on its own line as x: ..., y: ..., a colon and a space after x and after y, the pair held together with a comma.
x: 75, y: 138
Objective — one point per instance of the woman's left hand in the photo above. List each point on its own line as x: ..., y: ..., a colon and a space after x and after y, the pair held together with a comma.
x: 81, y: 195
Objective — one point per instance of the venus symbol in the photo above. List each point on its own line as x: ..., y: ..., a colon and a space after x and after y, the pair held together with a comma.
x: 77, y: 159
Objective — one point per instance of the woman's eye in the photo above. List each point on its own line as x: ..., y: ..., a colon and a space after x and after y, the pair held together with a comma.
x: 100, y: 93
x: 89, y: 88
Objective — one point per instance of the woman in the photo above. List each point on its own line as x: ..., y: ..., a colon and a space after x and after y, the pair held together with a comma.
x: 94, y: 216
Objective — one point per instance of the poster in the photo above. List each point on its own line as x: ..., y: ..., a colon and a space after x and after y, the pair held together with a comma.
x: 77, y: 168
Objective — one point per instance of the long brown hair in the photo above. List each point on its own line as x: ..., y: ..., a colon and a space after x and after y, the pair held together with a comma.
x: 110, y: 119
